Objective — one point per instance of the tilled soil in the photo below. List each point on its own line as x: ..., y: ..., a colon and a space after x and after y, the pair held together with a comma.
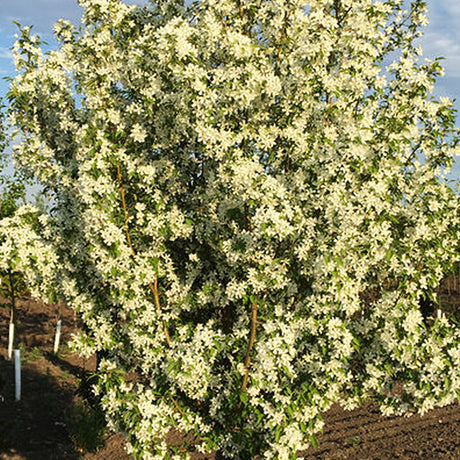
x: 40, y: 427
x: 365, y: 434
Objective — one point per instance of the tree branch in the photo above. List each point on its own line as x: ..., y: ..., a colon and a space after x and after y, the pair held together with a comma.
x: 252, y: 338
x: 153, y: 287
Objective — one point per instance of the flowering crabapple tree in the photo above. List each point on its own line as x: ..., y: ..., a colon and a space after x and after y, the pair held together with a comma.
x: 249, y: 204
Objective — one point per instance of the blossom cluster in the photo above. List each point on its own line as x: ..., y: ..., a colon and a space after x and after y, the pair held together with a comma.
x: 25, y: 247
x: 248, y: 206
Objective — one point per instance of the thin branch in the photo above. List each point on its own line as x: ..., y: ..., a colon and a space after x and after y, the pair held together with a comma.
x: 338, y: 10
x: 247, y: 217
x: 176, y: 405
x: 156, y: 299
x: 13, y: 296
x: 153, y: 287
x: 240, y: 9
x: 283, y: 35
x: 13, y: 313
x: 252, y: 338
x: 125, y: 211
x: 241, y: 13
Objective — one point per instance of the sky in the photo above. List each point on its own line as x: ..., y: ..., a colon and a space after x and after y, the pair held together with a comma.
x: 442, y: 37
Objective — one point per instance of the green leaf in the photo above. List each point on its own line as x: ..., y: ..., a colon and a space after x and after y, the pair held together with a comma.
x: 313, y: 441
x: 355, y: 343
x: 278, y: 432
x: 389, y: 255
x: 338, y: 261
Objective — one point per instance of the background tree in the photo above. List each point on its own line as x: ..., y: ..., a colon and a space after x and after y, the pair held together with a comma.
x: 12, y: 195
x: 248, y: 207
x: 23, y: 254
x: 12, y: 190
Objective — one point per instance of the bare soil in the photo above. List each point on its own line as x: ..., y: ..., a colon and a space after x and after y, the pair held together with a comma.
x: 40, y: 426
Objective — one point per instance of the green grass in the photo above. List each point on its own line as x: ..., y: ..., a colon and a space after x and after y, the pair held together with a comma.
x: 86, y: 426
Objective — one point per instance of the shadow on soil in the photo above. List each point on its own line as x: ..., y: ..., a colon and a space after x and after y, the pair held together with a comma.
x: 38, y: 419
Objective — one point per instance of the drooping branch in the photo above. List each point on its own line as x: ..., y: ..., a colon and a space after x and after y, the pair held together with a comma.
x: 251, y: 341
x: 156, y: 298
x: 125, y: 211
x: 152, y: 286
